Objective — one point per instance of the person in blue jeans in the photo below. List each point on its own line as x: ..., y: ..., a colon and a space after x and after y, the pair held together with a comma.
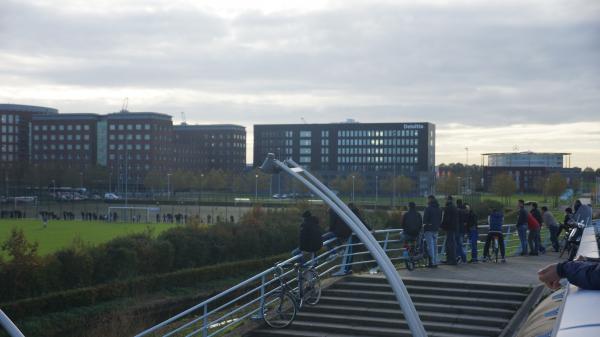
x: 460, y: 233
x: 472, y: 232
x: 432, y: 218
x: 522, y: 226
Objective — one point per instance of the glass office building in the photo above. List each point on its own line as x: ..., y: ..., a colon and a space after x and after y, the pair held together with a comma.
x: 370, y: 149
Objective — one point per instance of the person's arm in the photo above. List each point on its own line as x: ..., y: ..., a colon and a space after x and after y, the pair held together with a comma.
x: 585, y: 275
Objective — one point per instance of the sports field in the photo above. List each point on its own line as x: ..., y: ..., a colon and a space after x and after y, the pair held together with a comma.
x: 60, y: 233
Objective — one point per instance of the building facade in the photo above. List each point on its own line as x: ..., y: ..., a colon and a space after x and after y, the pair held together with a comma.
x: 528, y: 169
x: 15, y: 122
x: 207, y: 147
x: 372, y: 149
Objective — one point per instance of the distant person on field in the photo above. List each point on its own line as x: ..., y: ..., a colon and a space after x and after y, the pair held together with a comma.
x: 552, y: 225
x: 538, y: 217
x: 472, y: 231
x: 432, y: 218
x: 522, y: 225
x: 44, y: 220
x: 495, y: 220
x: 450, y: 226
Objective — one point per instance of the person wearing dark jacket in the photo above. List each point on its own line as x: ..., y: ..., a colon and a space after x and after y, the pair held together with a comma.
x: 461, y: 230
x: 567, y: 221
x: 583, y: 273
x: 412, y: 222
x: 337, y: 229
x: 538, y: 217
x: 472, y: 232
x: 349, y: 257
x: 432, y: 218
x: 310, y: 235
x: 522, y: 226
x: 450, y: 226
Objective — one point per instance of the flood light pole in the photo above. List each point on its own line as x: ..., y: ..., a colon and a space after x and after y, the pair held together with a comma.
x: 272, y: 165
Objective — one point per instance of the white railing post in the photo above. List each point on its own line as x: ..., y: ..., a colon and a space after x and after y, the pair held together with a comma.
x: 262, y: 297
x: 9, y: 326
x: 205, y: 322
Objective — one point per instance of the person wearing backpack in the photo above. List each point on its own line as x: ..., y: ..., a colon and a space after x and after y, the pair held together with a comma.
x: 310, y: 240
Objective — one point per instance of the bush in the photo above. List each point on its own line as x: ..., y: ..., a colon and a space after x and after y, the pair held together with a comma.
x: 484, y: 208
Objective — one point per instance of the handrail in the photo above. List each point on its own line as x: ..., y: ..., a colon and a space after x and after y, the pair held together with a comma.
x: 261, y: 285
x: 9, y: 326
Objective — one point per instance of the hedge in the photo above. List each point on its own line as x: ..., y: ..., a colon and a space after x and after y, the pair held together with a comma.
x: 60, y: 301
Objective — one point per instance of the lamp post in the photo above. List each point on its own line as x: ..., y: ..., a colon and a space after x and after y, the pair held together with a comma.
x: 54, y: 187
x: 168, y: 186
x: 201, y: 181
x: 256, y: 187
x: 376, y: 190
x: 81, y: 180
x: 353, y: 188
x: 271, y: 165
x: 110, y: 182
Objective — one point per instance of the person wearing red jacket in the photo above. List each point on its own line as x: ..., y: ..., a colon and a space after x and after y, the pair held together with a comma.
x: 534, y: 234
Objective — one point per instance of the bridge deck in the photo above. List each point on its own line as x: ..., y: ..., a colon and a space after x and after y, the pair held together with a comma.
x: 518, y: 270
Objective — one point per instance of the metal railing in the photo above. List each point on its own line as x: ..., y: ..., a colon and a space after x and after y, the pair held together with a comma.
x: 231, y: 308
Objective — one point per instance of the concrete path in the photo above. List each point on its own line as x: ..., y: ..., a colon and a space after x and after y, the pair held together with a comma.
x: 517, y: 270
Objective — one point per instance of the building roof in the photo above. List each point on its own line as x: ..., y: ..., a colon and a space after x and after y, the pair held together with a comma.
x: 346, y: 123
x: 209, y: 127
x: 27, y: 108
x: 67, y: 116
x: 525, y: 153
x: 138, y: 115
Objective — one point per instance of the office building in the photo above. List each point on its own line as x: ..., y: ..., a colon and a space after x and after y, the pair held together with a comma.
x: 207, y: 147
x: 527, y: 168
x: 370, y: 149
x: 15, y: 122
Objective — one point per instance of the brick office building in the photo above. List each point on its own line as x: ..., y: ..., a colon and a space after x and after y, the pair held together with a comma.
x: 206, y: 147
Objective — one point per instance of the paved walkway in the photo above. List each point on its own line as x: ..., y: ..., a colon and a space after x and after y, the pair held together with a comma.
x: 517, y: 270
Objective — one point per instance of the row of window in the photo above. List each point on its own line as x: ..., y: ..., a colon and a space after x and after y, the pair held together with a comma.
x: 61, y: 127
x: 377, y: 150
x: 61, y: 156
x: 10, y: 129
x: 8, y: 157
x: 9, y: 119
x: 61, y: 147
x: 10, y: 148
x: 129, y: 137
x: 10, y: 138
x: 382, y: 133
x: 62, y: 137
x: 128, y: 146
x: 381, y: 159
x: 128, y: 126
x: 366, y: 168
x: 379, y: 142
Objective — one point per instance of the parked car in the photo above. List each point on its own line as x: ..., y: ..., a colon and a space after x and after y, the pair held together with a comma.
x: 111, y: 196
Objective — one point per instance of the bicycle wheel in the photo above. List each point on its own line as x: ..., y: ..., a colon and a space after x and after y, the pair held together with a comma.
x: 567, y: 247
x: 279, y: 309
x: 410, y: 264
x: 311, y: 285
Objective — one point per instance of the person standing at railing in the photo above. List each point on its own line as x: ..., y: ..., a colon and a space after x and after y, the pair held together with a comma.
x: 567, y: 221
x: 552, y: 225
x: 534, y: 234
x: 450, y: 226
x: 538, y: 217
x: 582, y: 212
x: 337, y: 229
x: 432, y: 218
x: 412, y: 222
x: 350, y: 251
x: 309, y: 237
x: 496, y: 220
x: 522, y: 226
x: 461, y: 230
x: 471, y: 224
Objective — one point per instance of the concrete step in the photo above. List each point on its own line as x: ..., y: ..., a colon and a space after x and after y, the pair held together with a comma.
x: 434, y: 307
x: 421, y: 298
x: 311, y: 329
x: 430, y: 290
x: 397, y: 314
x: 395, y: 323
x: 440, y: 283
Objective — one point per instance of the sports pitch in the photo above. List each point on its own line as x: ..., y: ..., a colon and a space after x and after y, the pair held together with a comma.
x: 60, y: 233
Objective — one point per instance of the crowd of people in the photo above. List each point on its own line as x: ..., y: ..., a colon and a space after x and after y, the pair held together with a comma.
x: 459, y: 223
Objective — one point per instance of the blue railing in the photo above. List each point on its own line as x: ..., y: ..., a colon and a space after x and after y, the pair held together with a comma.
x: 227, y: 310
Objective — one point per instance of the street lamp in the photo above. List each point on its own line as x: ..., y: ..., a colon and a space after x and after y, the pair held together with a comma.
x: 201, y: 176
x: 376, y: 190
x: 81, y: 180
x: 272, y: 165
x: 256, y: 187
x: 168, y: 186
x: 54, y: 187
x: 353, y: 188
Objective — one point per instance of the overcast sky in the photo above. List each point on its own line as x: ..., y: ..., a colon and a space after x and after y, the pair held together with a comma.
x: 492, y: 76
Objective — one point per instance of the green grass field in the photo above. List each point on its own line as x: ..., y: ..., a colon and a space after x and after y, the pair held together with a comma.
x: 60, y: 234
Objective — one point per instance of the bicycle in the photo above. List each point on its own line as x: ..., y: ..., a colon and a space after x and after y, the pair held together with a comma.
x: 495, y: 245
x: 573, y: 240
x: 279, y: 307
x: 417, y: 254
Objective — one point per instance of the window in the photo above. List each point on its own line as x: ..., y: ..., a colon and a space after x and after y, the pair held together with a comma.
x: 121, y: 127
x: 138, y: 126
x: 304, y: 159
x: 304, y: 142
x: 305, y: 150
x: 129, y: 127
x: 305, y: 134
x: 86, y: 127
x: 146, y: 137
x: 147, y: 126
x: 69, y: 127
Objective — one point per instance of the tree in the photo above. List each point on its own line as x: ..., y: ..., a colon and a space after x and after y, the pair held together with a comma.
x: 504, y: 186
x: 555, y: 186
x: 447, y: 185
